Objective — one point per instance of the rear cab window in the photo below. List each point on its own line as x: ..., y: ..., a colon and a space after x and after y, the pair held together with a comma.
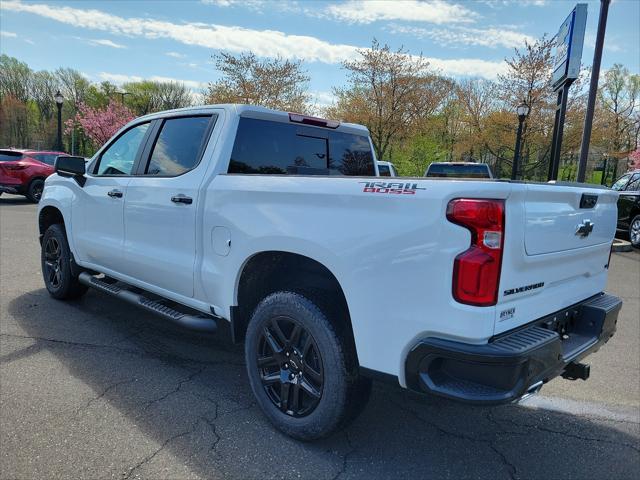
x: 277, y: 148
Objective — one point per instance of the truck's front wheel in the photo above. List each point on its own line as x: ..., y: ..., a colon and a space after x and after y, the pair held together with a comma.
x: 301, y: 371
x: 56, y: 265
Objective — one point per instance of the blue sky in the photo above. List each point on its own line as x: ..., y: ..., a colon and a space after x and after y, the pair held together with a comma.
x: 130, y: 40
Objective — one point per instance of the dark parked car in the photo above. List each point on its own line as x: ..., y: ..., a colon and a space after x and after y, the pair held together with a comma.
x: 23, y: 172
x: 629, y: 205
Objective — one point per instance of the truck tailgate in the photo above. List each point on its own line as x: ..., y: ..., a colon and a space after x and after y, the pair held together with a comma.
x: 556, y: 253
x: 553, y: 218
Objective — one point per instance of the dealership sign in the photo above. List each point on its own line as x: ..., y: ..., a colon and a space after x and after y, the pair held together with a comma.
x: 568, y: 47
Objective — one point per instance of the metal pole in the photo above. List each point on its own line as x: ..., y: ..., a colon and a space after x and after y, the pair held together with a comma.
x: 59, y: 141
x: 516, y: 154
x: 558, y: 128
x: 593, y: 90
x: 603, y: 177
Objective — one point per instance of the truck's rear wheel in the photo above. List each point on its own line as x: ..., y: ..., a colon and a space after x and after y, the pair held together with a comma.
x: 56, y: 265
x: 301, y: 371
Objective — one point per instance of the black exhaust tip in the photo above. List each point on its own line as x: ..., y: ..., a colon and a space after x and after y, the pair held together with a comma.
x: 575, y: 371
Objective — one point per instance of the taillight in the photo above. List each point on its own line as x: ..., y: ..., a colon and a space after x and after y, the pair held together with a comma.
x: 318, y: 122
x: 476, y: 271
x: 15, y: 166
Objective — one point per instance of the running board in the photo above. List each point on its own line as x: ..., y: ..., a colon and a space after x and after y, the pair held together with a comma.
x: 201, y: 323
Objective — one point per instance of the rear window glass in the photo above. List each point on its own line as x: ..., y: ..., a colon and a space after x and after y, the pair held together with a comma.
x: 384, y: 171
x: 458, y: 171
x: 8, y: 156
x: 179, y: 146
x: 265, y: 147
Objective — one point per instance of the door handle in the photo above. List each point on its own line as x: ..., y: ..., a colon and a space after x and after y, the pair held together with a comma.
x: 115, y: 193
x: 180, y: 198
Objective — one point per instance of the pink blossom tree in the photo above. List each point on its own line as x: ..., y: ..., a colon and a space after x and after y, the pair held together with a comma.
x: 634, y: 160
x: 99, y: 125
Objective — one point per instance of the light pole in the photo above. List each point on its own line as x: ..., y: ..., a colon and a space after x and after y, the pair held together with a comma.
x: 59, y: 99
x: 522, y: 110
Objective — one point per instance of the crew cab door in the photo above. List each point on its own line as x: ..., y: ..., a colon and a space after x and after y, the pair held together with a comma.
x: 98, y: 209
x: 161, y: 204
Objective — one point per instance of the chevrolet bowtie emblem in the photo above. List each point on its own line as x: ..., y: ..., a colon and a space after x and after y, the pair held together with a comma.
x: 584, y: 229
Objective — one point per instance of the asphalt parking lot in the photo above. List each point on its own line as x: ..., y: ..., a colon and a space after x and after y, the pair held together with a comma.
x: 98, y: 389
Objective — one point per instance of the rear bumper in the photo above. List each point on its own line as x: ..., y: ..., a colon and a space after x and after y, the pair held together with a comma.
x: 517, y: 362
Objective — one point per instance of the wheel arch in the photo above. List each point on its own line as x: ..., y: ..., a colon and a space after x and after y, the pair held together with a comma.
x: 49, y: 215
x: 270, y: 271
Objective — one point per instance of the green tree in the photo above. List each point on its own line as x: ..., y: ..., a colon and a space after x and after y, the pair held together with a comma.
x: 272, y: 82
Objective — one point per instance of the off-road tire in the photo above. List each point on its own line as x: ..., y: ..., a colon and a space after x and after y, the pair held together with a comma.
x: 55, y: 260
x: 343, y: 392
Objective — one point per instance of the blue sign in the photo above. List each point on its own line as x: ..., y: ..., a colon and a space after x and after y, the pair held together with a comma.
x: 568, y: 47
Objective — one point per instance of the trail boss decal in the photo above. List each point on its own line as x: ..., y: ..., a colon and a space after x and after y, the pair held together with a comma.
x: 394, y: 188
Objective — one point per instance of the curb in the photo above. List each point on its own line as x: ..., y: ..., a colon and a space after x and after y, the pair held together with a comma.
x: 621, y: 246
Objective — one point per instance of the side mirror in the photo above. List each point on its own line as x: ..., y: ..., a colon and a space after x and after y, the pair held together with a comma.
x: 72, y: 167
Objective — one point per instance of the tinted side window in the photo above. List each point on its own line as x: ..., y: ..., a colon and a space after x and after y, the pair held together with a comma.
x: 383, y: 170
x: 621, y: 182
x: 178, y: 147
x: 266, y: 147
x: 120, y: 156
x: 634, y: 184
x: 48, y: 158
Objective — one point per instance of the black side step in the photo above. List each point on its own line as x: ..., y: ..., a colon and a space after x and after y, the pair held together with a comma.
x: 201, y: 323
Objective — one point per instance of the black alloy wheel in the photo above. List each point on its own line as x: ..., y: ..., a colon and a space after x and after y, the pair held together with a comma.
x: 290, y: 366
x: 53, y: 262
x: 55, y: 257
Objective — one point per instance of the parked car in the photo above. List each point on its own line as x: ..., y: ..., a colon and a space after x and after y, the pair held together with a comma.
x: 458, y: 170
x: 628, y: 185
x: 23, y: 172
x: 387, y: 169
x: 276, y: 224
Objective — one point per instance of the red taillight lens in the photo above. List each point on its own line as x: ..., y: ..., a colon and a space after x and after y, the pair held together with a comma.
x: 476, y: 271
x: 15, y: 166
x: 318, y: 122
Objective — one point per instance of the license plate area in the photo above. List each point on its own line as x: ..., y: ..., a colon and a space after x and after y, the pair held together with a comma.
x: 563, y: 322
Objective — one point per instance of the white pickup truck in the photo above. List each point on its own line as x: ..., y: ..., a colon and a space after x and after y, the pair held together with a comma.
x: 278, y: 224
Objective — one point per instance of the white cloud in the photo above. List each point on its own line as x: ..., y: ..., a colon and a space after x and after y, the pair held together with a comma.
x: 264, y: 43
x: 431, y: 11
x: 8, y: 34
x: 511, y: 3
x: 322, y: 98
x: 234, y: 39
x: 452, y: 36
x: 468, y: 67
x: 175, y: 55
x: 119, y: 79
x: 253, y: 4
x: 105, y: 43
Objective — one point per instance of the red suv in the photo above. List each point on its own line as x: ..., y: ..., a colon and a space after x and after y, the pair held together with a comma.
x: 22, y: 172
